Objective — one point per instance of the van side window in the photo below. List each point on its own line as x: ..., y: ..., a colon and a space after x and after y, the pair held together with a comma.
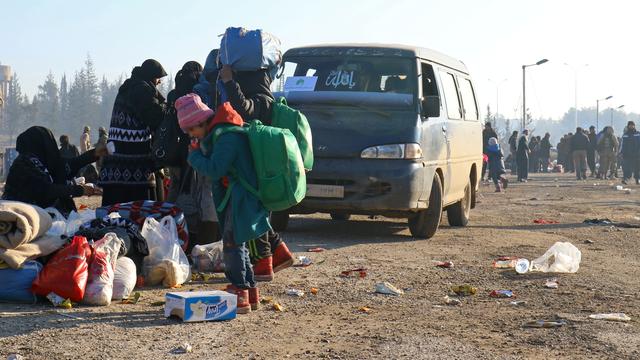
x: 451, y: 95
x: 468, y: 99
x: 429, y: 87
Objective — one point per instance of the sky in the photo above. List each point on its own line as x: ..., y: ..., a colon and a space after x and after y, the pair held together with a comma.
x: 494, y: 38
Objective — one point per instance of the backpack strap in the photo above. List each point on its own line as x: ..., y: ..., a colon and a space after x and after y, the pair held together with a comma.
x: 236, y: 179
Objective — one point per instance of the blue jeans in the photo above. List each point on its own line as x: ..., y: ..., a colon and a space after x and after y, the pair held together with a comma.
x: 237, y: 266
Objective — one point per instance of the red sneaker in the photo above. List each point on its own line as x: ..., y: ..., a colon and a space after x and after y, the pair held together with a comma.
x: 244, y: 307
x: 254, y: 298
x: 263, y: 269
x: 282, y: 258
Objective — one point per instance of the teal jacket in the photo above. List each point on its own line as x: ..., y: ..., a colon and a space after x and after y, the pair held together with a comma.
x: 231, y: 150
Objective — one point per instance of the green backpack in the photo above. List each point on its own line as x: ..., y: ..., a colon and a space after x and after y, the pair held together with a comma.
x: 284, y: 117
x: 282, y: 182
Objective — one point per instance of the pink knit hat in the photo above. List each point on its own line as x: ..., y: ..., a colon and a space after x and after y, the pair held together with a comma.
x: 192, y: 111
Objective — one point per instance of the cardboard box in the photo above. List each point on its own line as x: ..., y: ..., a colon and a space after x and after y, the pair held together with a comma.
x: 201, y: 305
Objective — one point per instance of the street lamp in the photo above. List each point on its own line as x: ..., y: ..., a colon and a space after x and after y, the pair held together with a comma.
x: 524, y: 97
x: 497, y: 84
x: 619, y: 107
x: 575, y: 90
x: 598, y: 110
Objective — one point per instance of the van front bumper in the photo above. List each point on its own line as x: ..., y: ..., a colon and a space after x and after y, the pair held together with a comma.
x: 376, y: 187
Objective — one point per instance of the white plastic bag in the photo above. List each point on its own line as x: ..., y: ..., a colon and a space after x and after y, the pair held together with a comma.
x: 562, y: 257
x: 102, y: 270
x: 76, y: 220
x: 124, y: 280
x: 208, y: 258
x: 167, y: 262
x: 59, y: 223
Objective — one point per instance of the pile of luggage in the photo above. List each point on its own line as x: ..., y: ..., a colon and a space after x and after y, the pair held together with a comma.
x: 91, y: 256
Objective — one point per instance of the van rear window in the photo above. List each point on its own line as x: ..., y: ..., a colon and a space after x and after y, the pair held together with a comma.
x: 358, y: 73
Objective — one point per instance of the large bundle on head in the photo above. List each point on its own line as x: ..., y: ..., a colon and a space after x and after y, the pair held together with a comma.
x: 250, y: 50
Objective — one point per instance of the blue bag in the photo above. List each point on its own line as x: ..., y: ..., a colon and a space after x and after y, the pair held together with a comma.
x: 16, y: 284
x: 250, y: 50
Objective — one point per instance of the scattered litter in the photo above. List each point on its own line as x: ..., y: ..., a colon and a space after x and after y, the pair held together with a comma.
x: 444, y: 264
x: 518, y: 303
x: 157, y: 303
x: 589, y: 242
x: 317, y: 249
x: 59, y: 301
x: 266, y: 300
x: 132, y: 299
x: 607, y: 222
x: 551, y: 283
x: 185, y: 348
x: 388, y: 289
x: 562, y: 257
x: 505, y: 262
x: 464, y: 290
x: 611, y: 317
x: 294, y: 292
x: 522, y: 266
x: 15, y: 357
x: 533, y: 199
x: 304, y: 261
x: 545, y: 221
x: 544, y: 324
x: 277, y: 307
x: 451, y: 301
x: 362, y: 273
x: 364, y: 309
x: 622, y: 188
x: 314, y: 291
x: 501, y: 294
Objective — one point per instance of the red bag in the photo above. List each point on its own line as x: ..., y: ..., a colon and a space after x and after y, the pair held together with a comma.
x: 67, y: 272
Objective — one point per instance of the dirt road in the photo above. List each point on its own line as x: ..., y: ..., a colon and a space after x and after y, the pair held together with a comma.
x: 415, y: 325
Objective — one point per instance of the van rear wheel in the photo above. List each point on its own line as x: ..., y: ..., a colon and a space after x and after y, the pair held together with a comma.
x: 458, y: 213
x: 279, y: 220
x: 424, y: 224
x: 340, y: 217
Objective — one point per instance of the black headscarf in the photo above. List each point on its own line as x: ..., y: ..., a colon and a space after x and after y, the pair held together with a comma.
x: 39, y: 142
x: 185, y: 80
x: 149, y: 70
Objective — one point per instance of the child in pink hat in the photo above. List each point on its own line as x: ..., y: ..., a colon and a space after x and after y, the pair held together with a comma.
x: 243, y: 218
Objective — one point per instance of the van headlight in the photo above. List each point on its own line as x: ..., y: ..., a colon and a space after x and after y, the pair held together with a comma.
x: 395, y: 151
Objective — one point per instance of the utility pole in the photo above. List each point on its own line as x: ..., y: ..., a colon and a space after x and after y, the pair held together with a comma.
x: 524, y: 90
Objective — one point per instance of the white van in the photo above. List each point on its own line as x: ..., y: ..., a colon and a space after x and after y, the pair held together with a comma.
x: 396, y: 132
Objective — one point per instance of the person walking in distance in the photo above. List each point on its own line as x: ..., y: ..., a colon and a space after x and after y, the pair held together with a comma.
x: 496, y: 165
x: 513, y: 149
x: 545, y: 152
x: 85, y: 140
x: 591, y: 151
x: 607, y: 150
x: 522, y: 155
x: 487, y: 133
x: 579, y: 147
x: 630, y: 149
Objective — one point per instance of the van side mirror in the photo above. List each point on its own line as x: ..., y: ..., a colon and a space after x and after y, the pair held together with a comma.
x: 431, y: 106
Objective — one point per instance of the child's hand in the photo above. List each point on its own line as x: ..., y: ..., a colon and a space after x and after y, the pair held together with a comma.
x: 195, y: 145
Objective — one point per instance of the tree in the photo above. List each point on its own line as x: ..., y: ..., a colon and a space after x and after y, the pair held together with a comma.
x: 489, y: 115
x: 64, y: 100
x: 14, y: 107
x: 48, y: 103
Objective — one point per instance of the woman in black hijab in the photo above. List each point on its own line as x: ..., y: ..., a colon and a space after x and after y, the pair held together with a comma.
x: 40, y: 176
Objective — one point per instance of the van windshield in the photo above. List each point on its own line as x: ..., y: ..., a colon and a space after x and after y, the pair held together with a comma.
x: 369, y: 74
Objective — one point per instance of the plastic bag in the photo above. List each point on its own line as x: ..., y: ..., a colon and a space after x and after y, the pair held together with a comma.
x: 124, y: 280
x: 77, y: 219
x: 250, y: 50
x: 562, y: 257
x: 16, y: 284
x: 59, y: 223
x: 166, y: 261
x: 67, y: 272
x: 208, y: 258
x: 102, y: 270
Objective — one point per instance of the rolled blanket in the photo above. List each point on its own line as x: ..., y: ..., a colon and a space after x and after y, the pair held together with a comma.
x: 21, y: 223
x: 43, y: 246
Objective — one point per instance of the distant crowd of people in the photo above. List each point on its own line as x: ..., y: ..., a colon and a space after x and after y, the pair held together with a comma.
x: 597, y: 154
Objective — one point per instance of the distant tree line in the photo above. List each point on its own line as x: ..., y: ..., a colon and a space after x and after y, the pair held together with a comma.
x: 65, y: 107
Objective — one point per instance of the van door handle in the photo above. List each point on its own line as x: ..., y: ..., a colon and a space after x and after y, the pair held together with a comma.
x: 444, y: 129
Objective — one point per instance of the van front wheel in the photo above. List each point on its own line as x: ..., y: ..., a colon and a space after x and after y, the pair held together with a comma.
x: 279, y: 220
x: 458, y: 213
x: 424, y: 224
